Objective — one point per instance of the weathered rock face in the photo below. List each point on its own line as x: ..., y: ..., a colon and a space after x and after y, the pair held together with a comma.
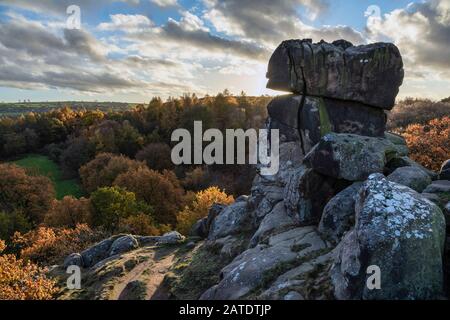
x: 123, y: 244
x: 444, y: 174
x: 248, y: 269
x: 74, y: 259
x: 233, y: 219
x: 201, y: 227
x: 399, y: 161
x: 350, y: 157
x: 370, y: 74
x: 439, y: 186
x: 318, y: 116
x: 400, y: 232
x: 339, y: 214
x: 411, y: 177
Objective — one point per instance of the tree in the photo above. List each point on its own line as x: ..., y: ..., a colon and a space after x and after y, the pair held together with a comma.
x: 200, y: 206
x: 104, y: 169
x: 111, y: 204
x: 33, y: 195
x: 69, y: 212
x: 162, y: 191
x: 10, y: 222
x: 157, y: 156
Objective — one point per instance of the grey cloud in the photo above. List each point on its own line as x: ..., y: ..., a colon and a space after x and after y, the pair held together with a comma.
x: 205, y: 40
x: 270, y: 22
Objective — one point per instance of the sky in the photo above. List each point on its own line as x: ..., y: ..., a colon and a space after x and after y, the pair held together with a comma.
x: 132, y: 50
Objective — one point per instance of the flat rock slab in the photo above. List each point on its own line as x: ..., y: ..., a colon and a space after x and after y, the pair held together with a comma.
x: 371, y: 74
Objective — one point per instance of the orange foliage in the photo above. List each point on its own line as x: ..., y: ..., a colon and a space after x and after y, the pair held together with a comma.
x: 49, y: 246
x: 69, y: 212
x: 23, y: 280
x: 200, y: 206
x: 429, y: 144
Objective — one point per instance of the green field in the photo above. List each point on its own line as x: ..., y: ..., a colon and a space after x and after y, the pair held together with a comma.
x: 42, y: 165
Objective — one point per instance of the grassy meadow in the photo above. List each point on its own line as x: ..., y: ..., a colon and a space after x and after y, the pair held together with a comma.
x: 42, y: 165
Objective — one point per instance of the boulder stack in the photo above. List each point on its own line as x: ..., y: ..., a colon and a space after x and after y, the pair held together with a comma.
x: 346, y: 199
x: 336, y: 87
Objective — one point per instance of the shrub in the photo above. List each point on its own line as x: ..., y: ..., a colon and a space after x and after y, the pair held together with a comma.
x: 104, y: 169
x: 140, y: 224
x: 429, y: 144
x: 157, y: 156
x: 69, y: 212
x: 23, y: 280
x: 32, y: 195
x: 49, y: 246
x: 10, y: 222
x: 161, y: 191
x: 199, y: 207
x: 111, y: 204
x: 416, y: 111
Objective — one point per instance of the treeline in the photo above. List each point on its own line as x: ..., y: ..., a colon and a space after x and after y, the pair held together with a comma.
x: 122, y: 160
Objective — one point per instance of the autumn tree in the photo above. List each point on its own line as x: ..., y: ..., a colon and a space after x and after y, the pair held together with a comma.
x: 157, y: 156
x: 33, y: 195
x: 200, y: 206
x: 104, y: 169
x: 162, y: 191
x: 69, y: 212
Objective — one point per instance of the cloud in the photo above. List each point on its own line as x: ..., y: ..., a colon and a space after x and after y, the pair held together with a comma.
x: 270, y: 22
x: 59, y: 7
x: 165, y: 3
x: 126, y: 22
x: 422, y: 31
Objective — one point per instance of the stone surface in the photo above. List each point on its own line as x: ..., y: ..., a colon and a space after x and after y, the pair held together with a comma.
x: 123, y: 244
x: 201, y: 227
x: 350, y: 157
x: 275, y: 220
x: 370, y: 74
x: 233, y: 219
x: 320, y: 115
x: 403, y: 161
x: 444, y: 174
x: 399, y: 143
x: 400, y: 232
x: 74, y: 259
x: 439, y: 186
x: 339, y: 214
x: 244, y: 274
x: 97, y: 252
x: 411, y: 177
x: 172, y: 237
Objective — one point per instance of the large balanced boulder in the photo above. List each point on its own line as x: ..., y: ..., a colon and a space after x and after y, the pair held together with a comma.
x: 316, y: 116
x: 411, y: 177
x: 350, y: 157
x: 401, y: 233
x: 370, y: 74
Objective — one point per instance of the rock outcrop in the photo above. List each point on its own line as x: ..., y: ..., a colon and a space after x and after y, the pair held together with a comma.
x: 315, y: 227
x: 369, y: 74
